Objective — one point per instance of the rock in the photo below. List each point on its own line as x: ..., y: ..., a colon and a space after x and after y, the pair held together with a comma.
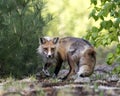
x: 101, y: 82
x: 82, y: 80
x: 113, y: 78
x: 106, y: 68
x: 118, y: 84
x: 62, y: 73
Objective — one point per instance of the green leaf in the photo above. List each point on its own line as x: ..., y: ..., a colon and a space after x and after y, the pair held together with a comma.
x: 94, y: 32
x: 119, y: 13
x: 112, y: 13
x: 118, y: 49
x: 116, y: 69
x: 102, y: 18
x: 103, y: 24
x: 109, y: 40
x: 104, y: 42
x: 106, y: 24
x: 117, y: 23
x: 105, y: 12
x: 95, y: 18
x: 94, y: 2
x: 109, y: 24
x: 110, y: 58
x: 110, y: 55
x: 108, y: 6
x: 92, y: 13
x: 94, y: 29
x: 100, y: 14
x: 103, y: 1
x: 97, y: 8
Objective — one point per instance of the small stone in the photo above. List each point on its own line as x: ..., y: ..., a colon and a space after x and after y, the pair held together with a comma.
x: 62, y: 73
x: 103, y: 82
x: 118, y: 84
x: 83, y: 80
x: 114, y: 78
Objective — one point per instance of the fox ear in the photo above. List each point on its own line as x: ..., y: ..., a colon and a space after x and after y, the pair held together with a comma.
x: 42, y: 40
x: 55, y: 40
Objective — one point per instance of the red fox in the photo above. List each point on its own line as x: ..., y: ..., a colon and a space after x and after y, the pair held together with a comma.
x: 76, y: 51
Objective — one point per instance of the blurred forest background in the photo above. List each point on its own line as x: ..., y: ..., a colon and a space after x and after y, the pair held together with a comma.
x: 22, y: 22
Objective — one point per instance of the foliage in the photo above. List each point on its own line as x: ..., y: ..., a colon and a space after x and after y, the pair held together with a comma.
x: 107, y: 14
x: 70, y: 17
x: 21, y: 23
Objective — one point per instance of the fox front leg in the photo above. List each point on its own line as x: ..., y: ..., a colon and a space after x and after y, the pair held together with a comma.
x: 45, y: 71
x: 57, y: 68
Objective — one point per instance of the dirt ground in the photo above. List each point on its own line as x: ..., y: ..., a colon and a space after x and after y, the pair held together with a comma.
x: 101, y: 83
x: 46, y: 88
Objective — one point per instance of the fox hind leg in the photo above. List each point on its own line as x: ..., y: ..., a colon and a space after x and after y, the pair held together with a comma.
x: 71, y: 65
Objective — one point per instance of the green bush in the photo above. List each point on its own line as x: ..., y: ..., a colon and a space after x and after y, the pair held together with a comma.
x: 21, y: 24
x: 107, y: 14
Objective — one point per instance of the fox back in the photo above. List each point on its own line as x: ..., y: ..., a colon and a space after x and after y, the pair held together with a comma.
x: 81, y: 53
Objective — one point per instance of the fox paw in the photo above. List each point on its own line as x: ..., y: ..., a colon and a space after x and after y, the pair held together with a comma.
x: 46, y: 73
x: 63, y: 79
x: 54, y: 76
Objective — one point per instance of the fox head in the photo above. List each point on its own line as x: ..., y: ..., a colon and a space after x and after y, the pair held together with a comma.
x: 48, y: 46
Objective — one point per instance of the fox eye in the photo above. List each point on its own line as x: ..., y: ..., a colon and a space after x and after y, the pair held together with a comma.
x: 45, y: 49
x: 53, y: 49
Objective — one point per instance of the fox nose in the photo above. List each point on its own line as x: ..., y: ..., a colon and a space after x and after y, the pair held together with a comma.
x: 49, y: 56
x: 82, y: 75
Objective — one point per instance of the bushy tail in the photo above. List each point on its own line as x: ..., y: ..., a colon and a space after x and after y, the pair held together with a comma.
x: 90, y: 53
x: 88, y: 63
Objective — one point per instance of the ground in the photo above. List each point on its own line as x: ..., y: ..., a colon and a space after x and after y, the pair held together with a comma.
x: 101, y: 83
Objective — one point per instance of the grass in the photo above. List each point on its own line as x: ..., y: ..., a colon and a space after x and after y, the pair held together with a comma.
x: 17, y: 87
x: 14, y: 87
